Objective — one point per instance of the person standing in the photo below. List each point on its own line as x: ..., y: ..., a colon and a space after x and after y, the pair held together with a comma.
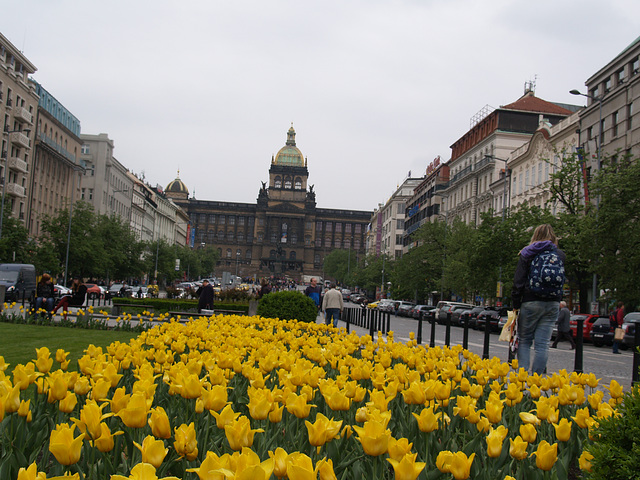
x: 616, y: 322
x: 564, y: 327
x: 45, y: 294
x: 313, y: 291
x: 537, y: 292
x: 332, y: 305
x: 205, y: 299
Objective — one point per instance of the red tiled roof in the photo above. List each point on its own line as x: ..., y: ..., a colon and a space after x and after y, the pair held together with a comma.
x: 530, y: 103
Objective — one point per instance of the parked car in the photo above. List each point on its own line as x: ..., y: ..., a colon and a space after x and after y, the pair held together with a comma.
x: 601, y: 332
x: 383, y: 303
x: 629, y: 327
x: 390, y: 306
x: 469, y: 316
x: 587, y: 324
x: 404, y: 309
x: 421, y: 310
x: 496, y: 316
x: 443, y: 308
x: 345, y: 294
x: 114, y: 290
x: 94, y: 291
x: 60, y: 290
x: 456, y: 311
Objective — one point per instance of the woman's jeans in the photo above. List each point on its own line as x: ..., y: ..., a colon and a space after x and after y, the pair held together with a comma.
x: 46, y: 303
x: 536, y: 323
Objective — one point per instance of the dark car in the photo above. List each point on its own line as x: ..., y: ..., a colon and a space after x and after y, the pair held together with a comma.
x: 629, y: 327
x: 456, y: 311
x: 404, y: 309
x: 493, y: 315
x: 587, y: 324
x: 601, y: 332
x: 470, y: 316
x: 421, y: 310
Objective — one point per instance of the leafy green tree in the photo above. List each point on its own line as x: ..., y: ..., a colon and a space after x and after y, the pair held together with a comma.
x: 368, y: 275
x: 15, y: 246
x: 457, y: 273
x: 339, y: 264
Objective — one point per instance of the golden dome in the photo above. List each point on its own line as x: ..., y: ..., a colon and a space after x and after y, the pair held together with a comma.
x: 290, y: 155
x: 177, y: 186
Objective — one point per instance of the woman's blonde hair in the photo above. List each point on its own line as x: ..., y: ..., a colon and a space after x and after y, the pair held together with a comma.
x: 544, y: 232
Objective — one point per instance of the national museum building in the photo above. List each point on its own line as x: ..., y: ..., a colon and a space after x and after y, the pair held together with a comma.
x: 283, y: 233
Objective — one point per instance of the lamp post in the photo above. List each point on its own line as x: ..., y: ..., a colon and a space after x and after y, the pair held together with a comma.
x: 594, y: 292
x: 5, y: 155
x: 76, y: 168
x: 237, y: 259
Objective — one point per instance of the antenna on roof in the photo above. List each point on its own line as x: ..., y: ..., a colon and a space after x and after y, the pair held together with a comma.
x: 530, y: 86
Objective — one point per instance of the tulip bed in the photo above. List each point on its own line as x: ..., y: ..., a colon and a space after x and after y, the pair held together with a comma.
x: 234, y: 397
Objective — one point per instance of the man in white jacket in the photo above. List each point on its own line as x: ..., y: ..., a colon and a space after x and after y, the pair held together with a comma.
x: 332, y: 305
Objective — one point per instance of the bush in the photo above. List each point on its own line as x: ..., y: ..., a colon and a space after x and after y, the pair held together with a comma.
x: 616, y: 450
x: 288, y: 306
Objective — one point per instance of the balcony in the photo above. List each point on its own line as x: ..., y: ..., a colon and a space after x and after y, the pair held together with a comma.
x: 18, y: 165
x: 23, y: 115
x: 20, y: 139
x: 15, y: 190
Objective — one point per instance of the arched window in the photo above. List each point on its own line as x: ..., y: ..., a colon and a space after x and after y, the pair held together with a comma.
x: 287, y: 182
x: 298, y: 183
x: 277, y: 183
x: 220, y: 235
x: 247, y: 254
x: 292, y: 256
x: 228, y: 253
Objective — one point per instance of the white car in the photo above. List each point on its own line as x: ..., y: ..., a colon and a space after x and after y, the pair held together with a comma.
x: 59, y: 290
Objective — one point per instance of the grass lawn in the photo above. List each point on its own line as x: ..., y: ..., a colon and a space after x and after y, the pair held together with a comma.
x: 18, y: 343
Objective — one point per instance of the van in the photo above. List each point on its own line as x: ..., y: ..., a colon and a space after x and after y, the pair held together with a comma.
x: 19, y: 280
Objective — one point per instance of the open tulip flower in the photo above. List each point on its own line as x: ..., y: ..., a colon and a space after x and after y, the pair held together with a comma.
x: 546, y: 455
x: 240, y: 434
x: 407, y: 468
x: 64, y: 446
x: 186, y: 444
x: 323, y: 430
x: 374, y: 437
x: 153, y: 451
x: 142, y: 471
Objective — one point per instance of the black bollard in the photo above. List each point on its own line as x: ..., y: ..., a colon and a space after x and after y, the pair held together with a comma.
x: 347, y: 317
x: 432, y: 342
x: 419, y: 339
x: 372, y: 324
x: 635, y: 377
x: 447, y: 334
x: 487, y: 338
x: 578, y: 367
x: 465, y: 334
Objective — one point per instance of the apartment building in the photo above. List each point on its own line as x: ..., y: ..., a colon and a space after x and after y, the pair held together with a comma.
x: 55, y: 172
x: 611, y: 118
x: 18, y: 106
x: 105, y: 183
x: 426, y: 204
x: 479, y: 158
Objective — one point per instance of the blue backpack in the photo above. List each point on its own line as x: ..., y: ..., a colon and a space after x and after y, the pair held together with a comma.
x: 546, y: 275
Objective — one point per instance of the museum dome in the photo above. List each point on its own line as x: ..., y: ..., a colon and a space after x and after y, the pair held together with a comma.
x: 290, y: 155
x: 177, y: 186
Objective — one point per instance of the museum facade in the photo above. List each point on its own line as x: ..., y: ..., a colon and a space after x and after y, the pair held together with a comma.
x: 283, y: 233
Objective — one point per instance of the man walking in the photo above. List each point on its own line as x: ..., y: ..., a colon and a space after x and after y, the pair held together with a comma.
x: 205, y: 300
x: 332, y: 305
x: 564, y: 327
x: 313, y: 291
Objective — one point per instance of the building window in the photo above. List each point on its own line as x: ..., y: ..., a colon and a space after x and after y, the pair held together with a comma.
x: 338, y: 228
x: 629, y: 116
x: 318, y: 242
x: 240, y: 236
x: 614, y: 123
x: 202, y: 218
x: 358, y: 228
x: 247, y: 254
x: 347, y: 228
x: 318, y: 226
x: 526, y: 179
x: 250, y: 221
x: 274, y: 237
x: 220, y: 235
x: 221, y: 219
x: 607, y: 85
x: 260, y: 237
x: 309, y: 225
x: 232, y: 220
x: 635, y: 66
x: 316, y: 259
x: 399, y: 224
x: 294, y: 238
x: 241, y: 221
x: 620, y: 76
x: 298, y: 184
x: 85, y: 150
x: 287, y: 183
x: 212, y: 218
x: 277, y: 183
x: 82, y: 194
x: 91, y: 194
x: 229, y: 236
x: 328, y: 226
x: 228, y: 253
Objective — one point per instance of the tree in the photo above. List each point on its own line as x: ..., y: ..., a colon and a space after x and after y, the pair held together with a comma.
x: 338, y: 265
x: 14, y: 244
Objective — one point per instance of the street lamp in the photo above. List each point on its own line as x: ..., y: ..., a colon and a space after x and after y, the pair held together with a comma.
x: 599, y: 99
x: 75, y: 168
x: 237, y: 259
x: 5, y: 155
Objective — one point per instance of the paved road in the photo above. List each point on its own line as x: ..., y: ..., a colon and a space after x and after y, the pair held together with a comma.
x: 599, y: 361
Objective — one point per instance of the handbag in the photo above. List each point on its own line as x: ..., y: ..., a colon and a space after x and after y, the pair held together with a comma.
x: 514, y: 342
x: 618, y: 335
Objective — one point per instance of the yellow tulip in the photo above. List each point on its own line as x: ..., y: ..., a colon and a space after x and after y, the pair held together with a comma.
x: 427, y: 420
x: 159, y: 423
x: 119, y: 400
x: 415, y: 394
x: 585, y: 461
x: 460, y: 465
x: 249, y: 467
x: 142, y: 471
x: 298, y: 406
x: 240, y: 434
x: 582, y: 415
x: 185, y: 443
x: 57, y: 387
x: 494, y: 443
x: 399, y: 448
x: 260, y: 403
x: 300, y: 467
x: 12, y: 400
x: 279, y: 462
x: 323, y: 430
x: 407, y: 468
x: 493, y: 411
x: 213, y: 467
x: 518, y: 448
x: 100, y: 389
x: 134, y: 415
x: 529, y: 418
x: 153, y: 450
x: 324, y: 468
x: 64, y: 446
x: 336, y: 399
x: 616, y: 390
x: 275, y: 415
x: 31, y: 473
x: 546, y: 455
x: 215, y: 397
x: 443, y: 461
x: 68, y: 403
x: 105, y: 442
x: 563, y: 430
x: 90, y: 418
x: 374, y: 437
x: 528, y: 432
x: 226, y: 417
x: 43, y: 361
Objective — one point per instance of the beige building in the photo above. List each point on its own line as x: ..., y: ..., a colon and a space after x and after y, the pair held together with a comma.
x: 18, y: 106
x: 55, y: 180
x: 532, y: 164
x: 479, y: 157
x: 612, y: 115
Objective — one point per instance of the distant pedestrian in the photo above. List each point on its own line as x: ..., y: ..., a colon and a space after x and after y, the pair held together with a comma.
x: 564, y: 327
x: 265, y: 288
x: 205, y: 299
x: 332, y: 305
x: 313, y: 291
x: 76, y: 299
x: 45, y: 294
x: 616, y: 320
x: 537, y: 292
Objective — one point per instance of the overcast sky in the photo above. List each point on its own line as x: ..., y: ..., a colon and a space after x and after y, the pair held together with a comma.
x: 374, y: 88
